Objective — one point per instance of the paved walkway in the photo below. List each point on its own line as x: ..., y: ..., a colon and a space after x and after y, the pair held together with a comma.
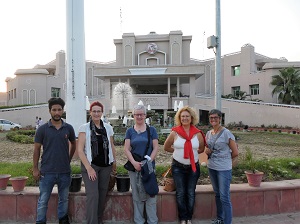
x: 285, y: 218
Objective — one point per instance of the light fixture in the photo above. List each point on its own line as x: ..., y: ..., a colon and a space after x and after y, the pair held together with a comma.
x: 175, y: 105
x: 113, y: 110
x: 180, y: 105
x: 87, y: 103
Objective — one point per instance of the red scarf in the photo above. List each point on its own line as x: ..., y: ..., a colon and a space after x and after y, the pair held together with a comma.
x: 188, y: 150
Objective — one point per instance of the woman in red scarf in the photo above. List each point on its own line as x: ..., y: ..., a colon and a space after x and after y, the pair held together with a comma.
x: 185, y: 142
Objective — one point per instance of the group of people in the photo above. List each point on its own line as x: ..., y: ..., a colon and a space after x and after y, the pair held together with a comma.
x: 186, y: 142
x: 38, y: 122
x: 97, y: 153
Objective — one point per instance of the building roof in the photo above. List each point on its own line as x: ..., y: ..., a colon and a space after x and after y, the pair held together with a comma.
x: 32, y: 71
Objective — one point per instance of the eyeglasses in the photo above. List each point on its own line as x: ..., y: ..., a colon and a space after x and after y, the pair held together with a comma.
x: 139, y: 115
x: 96, y: 111
x: 214, y: 118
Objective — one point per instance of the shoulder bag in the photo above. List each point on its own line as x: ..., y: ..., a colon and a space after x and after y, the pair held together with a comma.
x: 128, y: 165
x: 235, y: 159
x: 213, y: 144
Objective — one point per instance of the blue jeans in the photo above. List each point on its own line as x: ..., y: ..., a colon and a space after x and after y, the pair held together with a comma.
x: 47, y: 182
x: 185, y: 180
x: 220, y: 181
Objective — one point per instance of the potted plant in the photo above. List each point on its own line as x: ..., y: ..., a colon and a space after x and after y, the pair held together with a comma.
x: 76, y: 179
x: 254, y: 176
x: 18, y: 183
x: 122, y: 179
x: 4, y: 180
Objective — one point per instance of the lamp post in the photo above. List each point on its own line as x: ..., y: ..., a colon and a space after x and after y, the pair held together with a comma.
x: 215, y: 42
x: 218, y: 58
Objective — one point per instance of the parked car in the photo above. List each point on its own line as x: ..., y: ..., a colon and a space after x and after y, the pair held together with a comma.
x: 6, y: 125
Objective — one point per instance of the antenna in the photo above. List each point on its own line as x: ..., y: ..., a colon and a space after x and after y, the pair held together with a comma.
x: 121, y: 20
x: 203, y: 45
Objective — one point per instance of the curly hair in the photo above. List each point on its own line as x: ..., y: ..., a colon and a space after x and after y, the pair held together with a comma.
x: 191, y: 111
x: 56, y: 100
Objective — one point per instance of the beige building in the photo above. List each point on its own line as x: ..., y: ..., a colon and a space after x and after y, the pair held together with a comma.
x: 160, y: 73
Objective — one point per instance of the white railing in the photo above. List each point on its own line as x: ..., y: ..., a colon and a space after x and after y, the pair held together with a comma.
x: 23, y: 108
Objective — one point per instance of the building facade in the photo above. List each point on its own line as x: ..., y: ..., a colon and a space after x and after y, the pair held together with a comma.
x: 160, y: 73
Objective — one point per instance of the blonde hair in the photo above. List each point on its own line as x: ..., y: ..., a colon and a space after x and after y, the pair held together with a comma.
x: 191, y: 111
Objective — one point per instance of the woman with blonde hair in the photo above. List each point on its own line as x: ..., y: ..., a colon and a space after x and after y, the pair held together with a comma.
x: 185, y: 142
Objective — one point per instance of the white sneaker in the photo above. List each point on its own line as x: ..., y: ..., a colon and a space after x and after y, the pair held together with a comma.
x: 189, y: 222
x: 217, y: 221
x: 182, y: 222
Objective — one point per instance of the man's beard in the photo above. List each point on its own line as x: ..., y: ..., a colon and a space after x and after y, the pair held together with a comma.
x: 56, y: 118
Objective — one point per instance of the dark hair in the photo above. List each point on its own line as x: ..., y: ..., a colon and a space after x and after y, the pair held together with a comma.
x: 215, y: 111
x: 96, y: 103
x: 54, y: 101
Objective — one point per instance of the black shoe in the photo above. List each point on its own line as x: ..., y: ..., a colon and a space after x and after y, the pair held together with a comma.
x: 64, y: 220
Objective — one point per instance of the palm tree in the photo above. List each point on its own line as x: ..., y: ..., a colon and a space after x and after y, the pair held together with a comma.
x: 124, y: 90
x: 287, y: 84
x: 240, y: 95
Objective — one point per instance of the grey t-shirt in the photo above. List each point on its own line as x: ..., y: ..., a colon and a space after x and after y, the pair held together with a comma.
x: 220, y: 159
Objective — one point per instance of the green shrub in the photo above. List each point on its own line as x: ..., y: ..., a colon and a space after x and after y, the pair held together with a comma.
x: 119, y: 139
x: 22, y: 136
x: 121, y: 170
x: 162, y: 138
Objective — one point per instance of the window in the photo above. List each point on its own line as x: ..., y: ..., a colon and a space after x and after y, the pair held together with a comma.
x: 55, y: 92
x: 235, y: 90
x: 254, y: 89
x: 15, y: 93
x: 235, y: 70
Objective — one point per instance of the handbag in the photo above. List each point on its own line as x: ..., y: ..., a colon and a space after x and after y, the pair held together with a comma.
x: 149, y: 179
x: 128, y: 165
x: 168, y: 181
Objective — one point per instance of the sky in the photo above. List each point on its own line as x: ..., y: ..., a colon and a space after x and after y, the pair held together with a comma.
x: 33, y: 31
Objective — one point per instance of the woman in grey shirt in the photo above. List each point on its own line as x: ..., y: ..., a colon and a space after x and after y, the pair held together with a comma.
x: 221, y: 148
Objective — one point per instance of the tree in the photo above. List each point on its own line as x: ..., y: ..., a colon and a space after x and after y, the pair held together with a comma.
x: 239, y: 95
x: 124, y: 90
x: 287, y: 85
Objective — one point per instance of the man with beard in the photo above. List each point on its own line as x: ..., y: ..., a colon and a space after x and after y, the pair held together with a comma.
x: 55, y: 136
